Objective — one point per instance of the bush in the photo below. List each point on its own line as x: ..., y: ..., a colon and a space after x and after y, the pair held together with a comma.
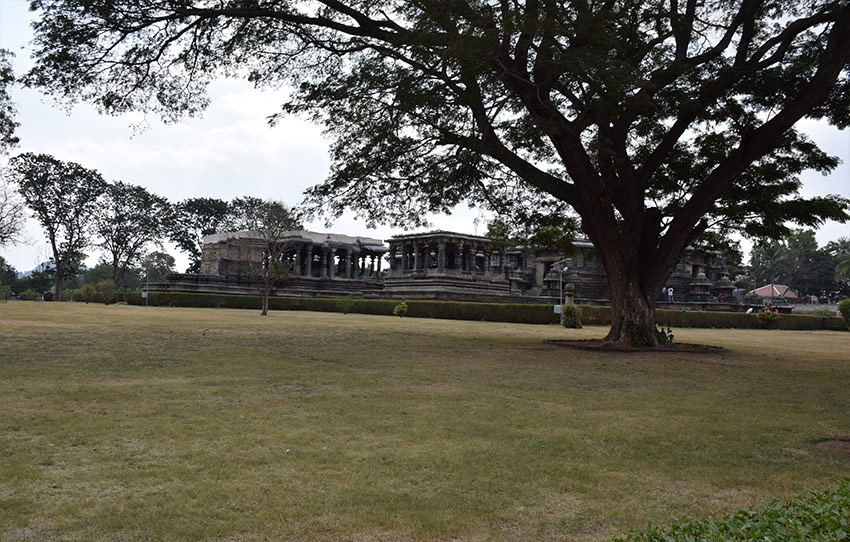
x: 490, y: 312
x: 28, y: 295
x: 85, y: 294
x: 345, y: 304
x: 400, y: 310
x: 569, y: 317
x: 844, y: 307
x: 769, y: 319
x: 808, y: 516
x: 106, y: 289
x: 47, y: 295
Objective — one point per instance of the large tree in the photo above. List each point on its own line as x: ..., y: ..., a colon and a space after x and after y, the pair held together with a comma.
x: 12, y: 214
x: 8, y: 139
x: 655, y: 120
x: 196, y: 218
x: 130, y: 220
x: 63, y: 197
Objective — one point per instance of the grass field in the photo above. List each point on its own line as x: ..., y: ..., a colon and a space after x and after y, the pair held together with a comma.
x: 133, y: 423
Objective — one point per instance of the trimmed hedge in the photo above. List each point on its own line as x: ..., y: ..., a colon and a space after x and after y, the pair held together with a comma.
x: 814, y: 515
x: 487, y: 312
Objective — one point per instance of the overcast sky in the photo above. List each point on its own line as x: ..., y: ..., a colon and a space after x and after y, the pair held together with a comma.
x: 232, y: 152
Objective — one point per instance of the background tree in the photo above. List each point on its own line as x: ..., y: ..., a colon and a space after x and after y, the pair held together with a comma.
x: 129, y: 221
x: 12, y: 215
x: 7, y: 108
x: 655, y: 121
x: 194, y: 219
x: 270, y: 221
x: 63, y: 197
x: 156, y: 266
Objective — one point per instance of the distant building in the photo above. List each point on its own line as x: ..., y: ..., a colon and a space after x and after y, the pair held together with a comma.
x: 432, y: 265
x: 775, y: 293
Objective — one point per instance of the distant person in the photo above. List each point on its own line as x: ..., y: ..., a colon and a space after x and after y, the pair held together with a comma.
x: 664, y: 293
x: 670, y: 295
x: 750, y: 310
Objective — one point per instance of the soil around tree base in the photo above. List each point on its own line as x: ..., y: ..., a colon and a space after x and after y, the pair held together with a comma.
x: 598, y: 345
x: 839, y: 447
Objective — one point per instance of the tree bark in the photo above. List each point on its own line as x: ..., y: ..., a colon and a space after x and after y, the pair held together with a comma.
x: 635, y: 289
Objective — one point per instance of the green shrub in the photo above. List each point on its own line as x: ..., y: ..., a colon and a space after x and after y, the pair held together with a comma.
x: 400, y: 309
x: 808, y: 516
x: 769, y: 319
x: 569, y: 317
x: 844, y: 307
x: 47, y: 295
x: 86, y: 293
x: 521, y: 313
x: 106, y: 289
x: 345, y: 304
x: 28, y: 295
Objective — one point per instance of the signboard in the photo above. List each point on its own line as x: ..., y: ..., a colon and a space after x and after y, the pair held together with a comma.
x: 144, y: 295
x: 557, y: 309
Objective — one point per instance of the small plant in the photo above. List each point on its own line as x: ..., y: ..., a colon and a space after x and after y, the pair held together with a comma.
x: 666, y: 334
x: 769, y: 318
x: 640, y: 334
x: 844, y: 309
x: 569, y: 317
x: 345, y: 304
x: 400, y: 310
x: 815, y: 515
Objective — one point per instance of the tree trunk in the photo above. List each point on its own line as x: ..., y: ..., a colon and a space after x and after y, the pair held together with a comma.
x: 60, y: 275
x: 633, y: 302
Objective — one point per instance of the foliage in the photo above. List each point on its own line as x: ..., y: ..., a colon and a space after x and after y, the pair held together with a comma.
x: 400, y: 309
x: 11, y: 213
x: 813, y: 515
x: 844, y: 307
x: 106, y: 289
x: 47, y: 295
x: 63, y: 197
x: 769, y: 318
x: 156, y: 266
x: 798, y: 262
x: 130, y: 220
x: 270, y: 221
x: 570, y: 317
x: 28, y: 295
x: 194, y: 219
x: 8, y: 274
x: 345, y: 304
x: 7, y: 108
x: 653, y: 124
x: 86, y: 293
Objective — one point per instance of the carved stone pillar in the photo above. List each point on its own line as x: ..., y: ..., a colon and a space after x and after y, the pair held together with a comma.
x: 323, y: 273
x: 403, y: 258
x: 371, y: 265
x: 441, y: 256
x: 348, y: 263
x: 296, y: 262
x: 461, y: 256
x: 379, y: 258
x: 416, y: 258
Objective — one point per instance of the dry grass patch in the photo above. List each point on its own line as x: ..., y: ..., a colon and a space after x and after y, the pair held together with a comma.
x: 134, y: 423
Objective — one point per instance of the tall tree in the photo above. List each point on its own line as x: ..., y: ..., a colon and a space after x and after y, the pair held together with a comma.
x: 12, y: 215
x: 63, y: 197
x: 656, y: 121
x: 196, y: 218
x: 130, y: 221
x: 8, y: 139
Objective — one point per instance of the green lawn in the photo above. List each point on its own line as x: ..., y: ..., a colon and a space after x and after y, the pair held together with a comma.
x: 135, y: 423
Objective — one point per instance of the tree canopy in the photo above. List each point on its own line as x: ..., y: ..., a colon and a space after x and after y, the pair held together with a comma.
x: 656, y: 122
x: 63, y: 197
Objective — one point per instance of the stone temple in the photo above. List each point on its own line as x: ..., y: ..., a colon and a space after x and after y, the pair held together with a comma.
x: 436, y: 265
